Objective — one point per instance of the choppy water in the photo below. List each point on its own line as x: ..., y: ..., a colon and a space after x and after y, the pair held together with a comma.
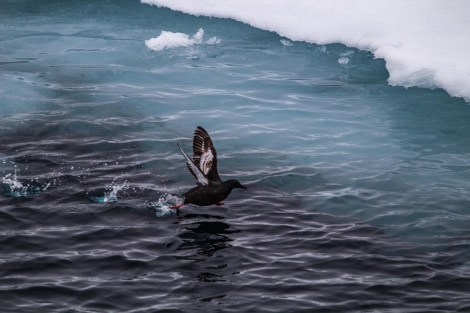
x: 357, y: 195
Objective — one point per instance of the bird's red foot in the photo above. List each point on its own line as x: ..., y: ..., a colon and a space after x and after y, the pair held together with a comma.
x: 176, y: 207
x: 219, y: 203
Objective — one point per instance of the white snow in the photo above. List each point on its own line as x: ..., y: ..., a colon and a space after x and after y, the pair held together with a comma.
x: 425, y: 43
x: 168, y: 40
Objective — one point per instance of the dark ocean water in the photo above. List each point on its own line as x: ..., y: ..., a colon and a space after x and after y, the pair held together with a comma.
x: 358, y: 192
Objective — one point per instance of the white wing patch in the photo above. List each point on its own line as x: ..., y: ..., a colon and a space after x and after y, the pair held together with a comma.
x: 198, y: 175
x: 205, y: 162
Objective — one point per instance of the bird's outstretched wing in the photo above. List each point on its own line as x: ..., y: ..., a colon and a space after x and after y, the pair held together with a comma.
x: 200, y: 177
x: 205, y: 156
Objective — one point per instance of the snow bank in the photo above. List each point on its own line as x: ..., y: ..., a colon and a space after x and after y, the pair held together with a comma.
x: 425, y: 43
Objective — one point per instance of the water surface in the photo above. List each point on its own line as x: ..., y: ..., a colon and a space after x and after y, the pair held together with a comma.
x: 357, y: 191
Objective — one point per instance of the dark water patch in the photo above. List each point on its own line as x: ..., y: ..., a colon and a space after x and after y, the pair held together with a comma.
x: 221, y: 258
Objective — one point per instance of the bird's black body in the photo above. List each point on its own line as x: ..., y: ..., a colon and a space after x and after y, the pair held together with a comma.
x: 212, y: 194
x: 210, y: 188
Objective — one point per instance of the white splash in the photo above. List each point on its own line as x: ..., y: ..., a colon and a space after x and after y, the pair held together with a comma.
x: 15, y: 188
x: 11, y: 180
x: 163, y: 206
x: 112, y: 195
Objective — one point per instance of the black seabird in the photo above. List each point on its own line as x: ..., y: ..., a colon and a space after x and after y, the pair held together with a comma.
x: 210, y: 188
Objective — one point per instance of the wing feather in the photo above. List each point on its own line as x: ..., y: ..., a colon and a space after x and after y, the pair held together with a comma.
x: 204, y: 154
x: 200, y: 177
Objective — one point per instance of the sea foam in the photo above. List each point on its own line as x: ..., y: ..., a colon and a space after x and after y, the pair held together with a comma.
x: 425, y: 43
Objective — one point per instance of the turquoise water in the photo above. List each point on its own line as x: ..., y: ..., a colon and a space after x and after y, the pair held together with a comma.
x: 357, y: 193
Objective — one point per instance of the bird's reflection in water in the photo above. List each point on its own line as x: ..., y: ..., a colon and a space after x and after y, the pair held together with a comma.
x: 202, y: 243
x: 205, y: 237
